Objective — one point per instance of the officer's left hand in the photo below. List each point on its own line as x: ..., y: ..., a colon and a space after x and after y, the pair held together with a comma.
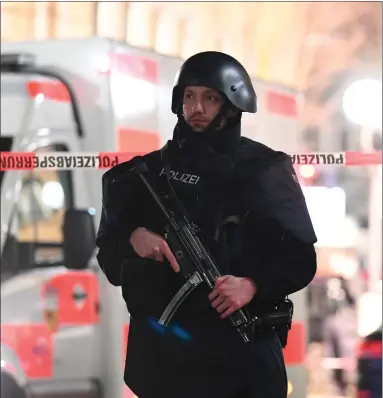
x: 231, y: 293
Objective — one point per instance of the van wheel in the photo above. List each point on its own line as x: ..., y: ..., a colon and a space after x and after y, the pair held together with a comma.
x: 10, y: 389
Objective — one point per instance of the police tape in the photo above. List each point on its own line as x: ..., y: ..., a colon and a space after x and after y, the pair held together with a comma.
x: 107, y: 160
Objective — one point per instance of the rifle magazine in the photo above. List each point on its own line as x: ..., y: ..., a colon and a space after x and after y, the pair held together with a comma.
x: 182, y: 294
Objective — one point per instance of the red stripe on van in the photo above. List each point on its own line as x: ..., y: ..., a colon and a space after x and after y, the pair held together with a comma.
x: 134, y: 65
x: 33, y: 344
x: 136, y: 141
x: 53, y: 91
x: 281, y: 104
x: 295, y: 351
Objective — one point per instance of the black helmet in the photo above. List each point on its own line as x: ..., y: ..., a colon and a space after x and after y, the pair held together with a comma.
x: 220, y: 72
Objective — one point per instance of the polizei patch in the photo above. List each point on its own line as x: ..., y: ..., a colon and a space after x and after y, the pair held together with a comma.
x: 182, y: 177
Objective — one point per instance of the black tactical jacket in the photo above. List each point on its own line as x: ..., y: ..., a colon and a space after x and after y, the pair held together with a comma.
x: 273, y: 246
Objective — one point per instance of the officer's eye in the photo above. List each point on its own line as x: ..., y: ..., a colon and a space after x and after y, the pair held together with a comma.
x: 188, y: 96
x: 212, y: 98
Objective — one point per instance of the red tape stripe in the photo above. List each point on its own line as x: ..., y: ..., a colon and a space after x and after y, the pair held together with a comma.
x: 107, y: 160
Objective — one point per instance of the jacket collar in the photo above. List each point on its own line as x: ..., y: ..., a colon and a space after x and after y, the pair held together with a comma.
x: 224, y: 141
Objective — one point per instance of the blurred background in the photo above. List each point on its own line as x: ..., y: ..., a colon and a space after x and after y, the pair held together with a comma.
x: 330, y: 55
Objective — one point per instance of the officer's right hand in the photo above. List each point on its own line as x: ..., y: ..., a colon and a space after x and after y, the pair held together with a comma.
x: 147, y: 244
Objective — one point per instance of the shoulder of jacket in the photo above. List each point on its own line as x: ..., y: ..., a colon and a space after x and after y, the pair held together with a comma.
x: 256, y: 152
x: 116, y: 171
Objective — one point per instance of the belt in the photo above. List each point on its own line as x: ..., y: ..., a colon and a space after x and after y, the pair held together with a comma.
x: 272, y: 320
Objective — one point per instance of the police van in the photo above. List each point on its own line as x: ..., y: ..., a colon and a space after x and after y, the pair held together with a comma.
x: 69, y: 110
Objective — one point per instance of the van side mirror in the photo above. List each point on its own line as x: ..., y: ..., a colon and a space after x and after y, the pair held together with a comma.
x: 79, y: 238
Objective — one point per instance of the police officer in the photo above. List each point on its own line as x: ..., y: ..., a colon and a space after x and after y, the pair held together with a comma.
x: 245, y: 198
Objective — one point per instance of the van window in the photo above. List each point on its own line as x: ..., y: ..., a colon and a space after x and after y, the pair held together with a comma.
x: 44, y: 197
x: 37, y: 218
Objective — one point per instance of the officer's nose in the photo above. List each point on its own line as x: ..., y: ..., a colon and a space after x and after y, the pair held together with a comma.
x: 198, y: 107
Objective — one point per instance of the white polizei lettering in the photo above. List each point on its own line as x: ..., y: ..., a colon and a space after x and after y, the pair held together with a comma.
x: 193, y: 179
x: 185, y: 178
x: 181, y: 177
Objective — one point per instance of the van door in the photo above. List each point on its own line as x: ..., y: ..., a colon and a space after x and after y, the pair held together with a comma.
x: 61, y: 304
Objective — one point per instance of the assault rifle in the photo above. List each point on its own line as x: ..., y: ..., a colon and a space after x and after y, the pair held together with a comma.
x: 197, y: 265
